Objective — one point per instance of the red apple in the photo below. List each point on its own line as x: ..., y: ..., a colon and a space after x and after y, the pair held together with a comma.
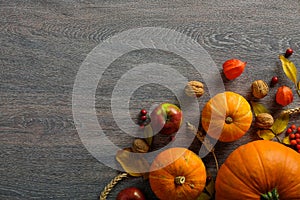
x: 131, y: 193
x: 166, y: 119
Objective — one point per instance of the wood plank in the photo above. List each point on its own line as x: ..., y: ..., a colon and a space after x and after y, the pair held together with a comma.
x: 43, y: 45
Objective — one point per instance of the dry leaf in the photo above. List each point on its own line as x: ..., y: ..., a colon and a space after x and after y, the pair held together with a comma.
x: 298, y: 88
x: 258, y: 108
x: 280, y: 124
x: 209, y: 190
x: 286, y: 140
x: 148, y: 134
x: 132, y: 163
x: 289, y: 69
x: 265, y: 134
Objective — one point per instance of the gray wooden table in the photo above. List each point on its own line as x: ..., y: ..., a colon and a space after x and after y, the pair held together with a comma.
x: 44, y: 43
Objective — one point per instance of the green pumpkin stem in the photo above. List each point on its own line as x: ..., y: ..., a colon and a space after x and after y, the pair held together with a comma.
x: 273, y: 195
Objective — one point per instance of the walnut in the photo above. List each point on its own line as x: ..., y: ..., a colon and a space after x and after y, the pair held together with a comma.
x: 194, y: 88
x: 140, y: 146
x: 259, y: 89
x: 264, y: 121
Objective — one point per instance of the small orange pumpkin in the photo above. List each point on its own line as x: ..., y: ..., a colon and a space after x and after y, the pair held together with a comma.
x: 177, y: 174
x: 233, y: 68
x: 259, y: 170
x: 227, y: 116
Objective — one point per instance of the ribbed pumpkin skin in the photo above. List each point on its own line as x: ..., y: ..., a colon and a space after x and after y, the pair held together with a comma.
x: 183, y: 163
x: 219, y: 108
x: 258, y: 167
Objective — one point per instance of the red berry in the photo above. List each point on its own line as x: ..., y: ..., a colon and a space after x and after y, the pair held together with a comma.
x: 143, y: 112
x: 299, y: 151
x: 293, y: 126
x: 293, y: 142
x: 298, y: 141
x: 298, y: 129
x: 298, y: 146
x: 288, y: 52
x: 297, y: 135
x: 292, y: 136
x: 289, y: 131
x: 144, y: 118
x: 274, y: 80
x: 142, y: 126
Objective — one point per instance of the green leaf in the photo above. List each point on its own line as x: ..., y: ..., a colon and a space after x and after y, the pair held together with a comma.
x: 258, y: 108
x: 280, y: 124
x: 265, y: 134
x: 286, y: 140
x: 148, y: 133
x: 289, y: 69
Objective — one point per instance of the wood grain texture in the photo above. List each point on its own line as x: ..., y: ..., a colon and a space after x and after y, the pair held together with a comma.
x: 43, y: 44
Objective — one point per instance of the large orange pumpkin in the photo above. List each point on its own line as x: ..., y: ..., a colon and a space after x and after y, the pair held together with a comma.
x: 227, y: 116
x: 177, y: 174
x: 257, y: 168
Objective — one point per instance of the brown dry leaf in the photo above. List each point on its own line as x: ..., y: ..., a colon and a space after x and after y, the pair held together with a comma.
x: 209, y: 190
x: 132, y: 163
x: 286, y: 140
x: 289, y: 69
x: 204, y: 196
x: 280, y: 123
x: 258, y: 108
x: 265, y: 134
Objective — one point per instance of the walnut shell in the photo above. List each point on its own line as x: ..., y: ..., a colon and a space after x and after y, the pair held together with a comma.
x: 264, y: 121
x: 259, y: 89
x: 140, y: 146
x: 194, y: 88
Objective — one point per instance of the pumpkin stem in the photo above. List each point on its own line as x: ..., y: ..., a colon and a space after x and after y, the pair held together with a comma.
x: 273, y: 195
x: 179, y: 180
x: 228, y: 120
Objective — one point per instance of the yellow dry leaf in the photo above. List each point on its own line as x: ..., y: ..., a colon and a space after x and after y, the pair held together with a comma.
x: 265, y: 134
x: 148, y: 134
x: 286, y: 140
x: 132, y: 163
x: 298, y: 88
x: 280, y: 124
x: 289, y: 69
x: 258, y: 108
